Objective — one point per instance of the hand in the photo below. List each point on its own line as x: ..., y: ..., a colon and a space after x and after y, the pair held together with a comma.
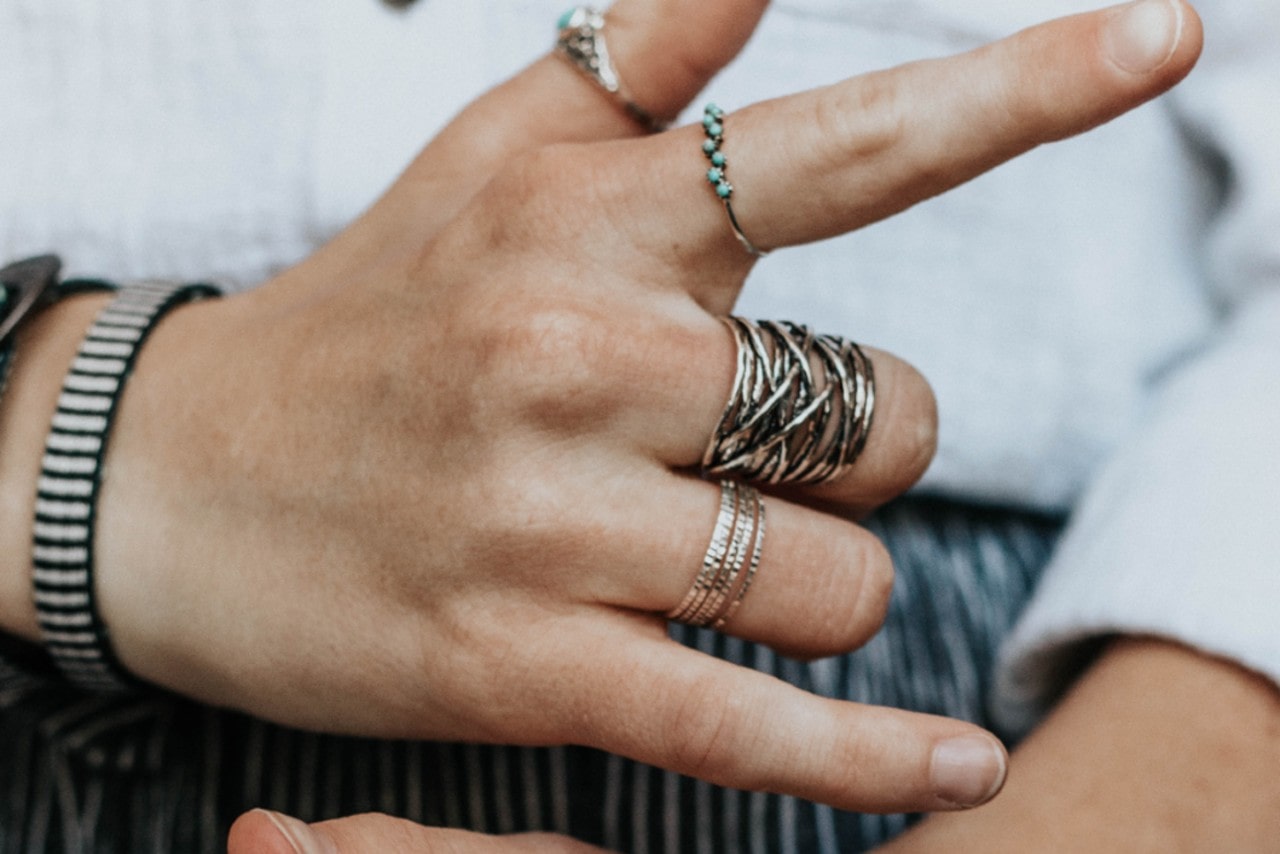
x: 1157, y: 748
x: 261, y: 832
x: 434, y: 481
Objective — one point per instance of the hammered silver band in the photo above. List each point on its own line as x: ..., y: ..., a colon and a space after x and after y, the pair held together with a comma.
x: 581, y: 42
x: 800, y: 409
x: 731, y: 561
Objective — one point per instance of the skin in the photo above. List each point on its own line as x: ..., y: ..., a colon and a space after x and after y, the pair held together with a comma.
x: 1132, y: 760
x: 1135, y: 760
x: 328, y: 581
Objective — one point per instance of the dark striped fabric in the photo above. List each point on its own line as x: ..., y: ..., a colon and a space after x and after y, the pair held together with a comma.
x: 155, y: 774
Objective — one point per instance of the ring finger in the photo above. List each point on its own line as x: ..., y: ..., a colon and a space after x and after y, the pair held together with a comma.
x: 804, y: 582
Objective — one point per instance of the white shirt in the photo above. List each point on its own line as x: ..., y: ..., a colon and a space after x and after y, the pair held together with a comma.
x: 1100, y: 318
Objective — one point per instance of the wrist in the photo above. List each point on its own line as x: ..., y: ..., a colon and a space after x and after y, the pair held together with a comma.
x: 44, y: 350
x: 1157, y: 747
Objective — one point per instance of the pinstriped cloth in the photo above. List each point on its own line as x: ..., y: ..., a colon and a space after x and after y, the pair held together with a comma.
x: 125, y: 774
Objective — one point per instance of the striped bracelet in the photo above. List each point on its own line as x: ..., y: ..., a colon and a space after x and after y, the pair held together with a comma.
x: 26, y: 288
x: 71, y: 475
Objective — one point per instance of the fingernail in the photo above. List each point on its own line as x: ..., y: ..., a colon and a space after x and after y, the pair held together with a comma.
x: 1142, y: 36
x: 969, y: 770
x: 298, y: 834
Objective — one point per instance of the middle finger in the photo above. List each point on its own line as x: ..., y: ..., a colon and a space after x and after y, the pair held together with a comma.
x: 831, y: 160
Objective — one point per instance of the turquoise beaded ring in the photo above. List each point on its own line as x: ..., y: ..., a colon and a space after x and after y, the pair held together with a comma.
x: 718, y: 175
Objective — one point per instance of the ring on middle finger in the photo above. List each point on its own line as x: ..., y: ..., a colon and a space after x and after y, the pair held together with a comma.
x: 718, y: 174
x: 800, y: 408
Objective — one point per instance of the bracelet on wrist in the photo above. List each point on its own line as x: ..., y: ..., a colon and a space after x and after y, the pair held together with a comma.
x: 71, y: 625
x: 28, y: 287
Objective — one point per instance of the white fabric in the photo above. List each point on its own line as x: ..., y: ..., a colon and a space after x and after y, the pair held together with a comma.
x: 1100, y: 323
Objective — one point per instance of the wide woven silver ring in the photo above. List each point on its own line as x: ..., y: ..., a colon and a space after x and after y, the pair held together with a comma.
x: 582, y: 43
x: 731, y: 561
x: 800, y: 409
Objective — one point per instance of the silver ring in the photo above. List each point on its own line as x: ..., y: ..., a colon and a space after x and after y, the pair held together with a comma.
x: 581, y: 41
x: 731, y: 561
x: 800, y: 409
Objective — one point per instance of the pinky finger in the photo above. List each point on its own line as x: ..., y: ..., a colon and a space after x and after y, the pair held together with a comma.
x: 263, y: 832
x: 739, y: 728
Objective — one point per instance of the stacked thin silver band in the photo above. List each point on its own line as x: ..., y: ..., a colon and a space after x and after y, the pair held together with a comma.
x: 70, y: 477
x: 800, y: 409
x: 799, y: 412
x: 581, y: 41
x: 731, y: 560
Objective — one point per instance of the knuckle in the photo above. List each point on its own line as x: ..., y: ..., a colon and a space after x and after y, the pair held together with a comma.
x: 554, y: 360
x: 874, y: 593
x: 836, y: 618
x: 706, y: 733
x: 859, y: 120
x: 526, y: 521
x: 1016, y: 112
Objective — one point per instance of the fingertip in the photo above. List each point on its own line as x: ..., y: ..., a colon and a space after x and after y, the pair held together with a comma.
x: 968, y: 770
x: 1190, y: 40
x: 262, y: 831
x: 1146, y: 38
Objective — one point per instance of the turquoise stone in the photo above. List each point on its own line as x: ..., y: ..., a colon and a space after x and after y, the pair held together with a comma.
x: 718, y: 160
x: 724, y: 189
x: 709, y: 147
x: 715, y: 129
x: 564, y: 19
x: 708, y: 120
x: 715, y: 176
x: 712, y: 110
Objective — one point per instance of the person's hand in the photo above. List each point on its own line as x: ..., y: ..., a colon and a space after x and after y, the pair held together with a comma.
x: 436, y: 481
x: 1156, y: 748
x: 261, y: 832
x: 1082, y: 782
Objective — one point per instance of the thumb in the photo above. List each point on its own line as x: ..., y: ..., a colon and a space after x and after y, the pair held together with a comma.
x: 263, y: 832
x: 664, y: 51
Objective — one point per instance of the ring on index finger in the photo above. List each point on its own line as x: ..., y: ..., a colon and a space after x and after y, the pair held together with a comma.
x: 800, y: 408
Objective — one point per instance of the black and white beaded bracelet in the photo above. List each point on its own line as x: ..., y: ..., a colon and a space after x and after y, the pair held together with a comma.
x: 71, y: 475
x: 27, y: 288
